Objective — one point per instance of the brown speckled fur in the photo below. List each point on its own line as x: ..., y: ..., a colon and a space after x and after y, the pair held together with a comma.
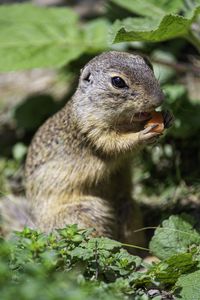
x: 78, y: 167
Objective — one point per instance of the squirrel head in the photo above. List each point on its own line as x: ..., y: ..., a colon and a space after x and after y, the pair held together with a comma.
x: 117, y: 88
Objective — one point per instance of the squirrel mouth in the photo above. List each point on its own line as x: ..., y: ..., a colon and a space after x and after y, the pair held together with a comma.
x: 133, y: 123
x: 141, y: 116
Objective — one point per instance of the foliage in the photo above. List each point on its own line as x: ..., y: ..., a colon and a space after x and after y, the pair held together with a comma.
x: 159, y: 23
x: 45, y: 37
x: 175, y: 236
x: 8, y: 167
x: 188, y: 285
x: 70, y: 264
x: 52, y: 37
x: 152, y: 7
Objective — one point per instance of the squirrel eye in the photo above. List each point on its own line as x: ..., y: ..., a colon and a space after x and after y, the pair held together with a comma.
x: 118, y: 82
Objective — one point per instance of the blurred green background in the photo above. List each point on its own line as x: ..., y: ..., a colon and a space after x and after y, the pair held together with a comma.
x: 44, y: 44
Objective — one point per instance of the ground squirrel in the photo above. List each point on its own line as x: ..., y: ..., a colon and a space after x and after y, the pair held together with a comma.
x: 78, y: 167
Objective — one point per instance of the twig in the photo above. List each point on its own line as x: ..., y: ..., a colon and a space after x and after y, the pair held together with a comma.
x: 179, y: 67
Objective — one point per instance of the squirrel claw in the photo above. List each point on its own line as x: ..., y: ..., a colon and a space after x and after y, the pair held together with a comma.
x: 147, y: 136
x: 149, y: 128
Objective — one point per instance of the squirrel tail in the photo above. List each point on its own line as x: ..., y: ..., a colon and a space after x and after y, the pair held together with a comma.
x: 15, y: 214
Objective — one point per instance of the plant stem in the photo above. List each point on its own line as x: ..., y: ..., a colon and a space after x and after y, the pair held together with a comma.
x: 134, y: 246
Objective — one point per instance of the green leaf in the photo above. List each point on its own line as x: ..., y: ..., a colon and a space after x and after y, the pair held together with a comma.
x: 19, y: 151
x: 103, y: 243
x: 125, y: 263
x: 153, y: 30
x: 175, y: 236
x: 46, y: 37
x: 188, y: 287
x: 150, y: 7
x: 96, y: 35
x: 32, y: 37
x: 169, y: 270
x: 82, y: 253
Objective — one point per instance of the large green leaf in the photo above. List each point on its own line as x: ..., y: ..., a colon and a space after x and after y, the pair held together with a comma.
x: 153, y: 30
x: 175, y: 236
x: 35, y: 37
x: 169, y: 270
x: 150, y: 8
x: 23, y: 13
x: 188, y: 287
x: 96, y: 35
x: 32, y: 37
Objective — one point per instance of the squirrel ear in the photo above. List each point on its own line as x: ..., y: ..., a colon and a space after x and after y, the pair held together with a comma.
x: 147, y: 61
x: 85, y: 74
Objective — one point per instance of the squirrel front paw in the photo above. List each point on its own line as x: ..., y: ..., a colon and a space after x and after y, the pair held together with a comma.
x: 147, y: 136
x: 151, y: 134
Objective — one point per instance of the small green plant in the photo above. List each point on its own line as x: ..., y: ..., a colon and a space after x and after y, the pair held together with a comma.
x: 69, y: 264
